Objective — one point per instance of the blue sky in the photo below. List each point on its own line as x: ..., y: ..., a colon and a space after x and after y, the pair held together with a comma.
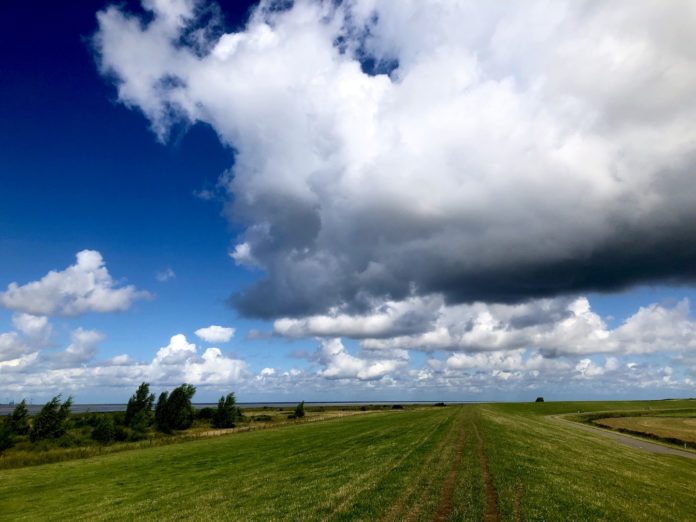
x: 457, y: 215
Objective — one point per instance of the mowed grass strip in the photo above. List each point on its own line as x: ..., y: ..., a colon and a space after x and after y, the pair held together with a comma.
x: 553, y: 470
x: 447, y: 482
x: 342, y: 469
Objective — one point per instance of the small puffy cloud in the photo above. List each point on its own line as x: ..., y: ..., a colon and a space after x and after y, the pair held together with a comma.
x: 215, y: 333
x: 12, y: 346
x: 165, y: 275
x: 83, y: 347
x: 33, y: 326
x: 120, y: 360
x: 179, y: 360
x: 588, y: 369
x: 243, y: 256
x: 83, y: 287
x: 337, y: 363
x: 18, y: 363
x: 213, y: 368
x: 656, y: 328
x: 176, y: 352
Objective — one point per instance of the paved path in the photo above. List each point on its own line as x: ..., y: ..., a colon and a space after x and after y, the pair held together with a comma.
x: 627, y: 440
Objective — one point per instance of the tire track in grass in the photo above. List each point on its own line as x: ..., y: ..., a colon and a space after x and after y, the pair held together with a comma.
x: 491, y: 507
x: 349, y: 492
x: 396, y: 512
x: 517, y: 503
x: 445, y: 507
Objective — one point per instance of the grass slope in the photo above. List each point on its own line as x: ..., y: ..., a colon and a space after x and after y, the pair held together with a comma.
x: 474, y: 462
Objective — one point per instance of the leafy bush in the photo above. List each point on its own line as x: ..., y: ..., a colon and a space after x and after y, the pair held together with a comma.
x: 84, y: 420
x: 539, y: 399
x: 104, y: 431
x: 226, y: 413
x: 397, y: 407
x: 205, y: 413
x: 263, y: 418
x: 6, y: 438
x: 299, y: 411
x: 121, y: 433
x: 51, y: 421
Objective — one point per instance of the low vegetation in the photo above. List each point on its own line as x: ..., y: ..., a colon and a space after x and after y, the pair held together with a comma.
x: 91, y: 434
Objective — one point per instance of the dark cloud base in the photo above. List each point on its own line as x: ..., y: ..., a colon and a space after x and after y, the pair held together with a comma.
x: 633, y: 259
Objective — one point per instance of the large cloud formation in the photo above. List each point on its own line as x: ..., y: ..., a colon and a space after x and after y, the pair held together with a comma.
x: 483, y: 151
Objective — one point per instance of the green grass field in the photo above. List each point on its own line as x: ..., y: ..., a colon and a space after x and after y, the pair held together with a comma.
x: 474, y: 462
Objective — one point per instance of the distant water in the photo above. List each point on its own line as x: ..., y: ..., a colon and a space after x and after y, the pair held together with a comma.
x: 5, y: 409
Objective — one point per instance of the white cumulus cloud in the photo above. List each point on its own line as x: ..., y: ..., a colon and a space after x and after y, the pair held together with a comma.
x: 83, y: 287
x: 33, y: 326
x: 215, y: 333
x: 337, y: 363
x: 83, y: 347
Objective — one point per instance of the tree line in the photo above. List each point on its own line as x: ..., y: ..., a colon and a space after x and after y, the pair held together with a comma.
x: 172, y: 412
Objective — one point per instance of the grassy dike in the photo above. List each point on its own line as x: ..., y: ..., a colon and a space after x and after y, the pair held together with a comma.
x: 549, y: 468
x: 475, y: 462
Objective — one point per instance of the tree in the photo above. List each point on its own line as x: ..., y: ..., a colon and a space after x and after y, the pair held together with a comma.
x: 179, y: 407
x: 299, y: 411
x: 539, y: 399
x: 161, y: 418
x: 51, y: 421
x: 139, y: 409
x: 174, y: 411
x: 18, y: 422
x: 226, y: 413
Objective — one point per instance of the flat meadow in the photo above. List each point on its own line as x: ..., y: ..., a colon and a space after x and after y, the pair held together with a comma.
x: 463, y: 462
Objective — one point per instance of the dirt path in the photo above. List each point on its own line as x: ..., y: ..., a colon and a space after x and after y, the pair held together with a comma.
x: 626, y: 440
x: 491, y: 509
x: 445, y: 507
